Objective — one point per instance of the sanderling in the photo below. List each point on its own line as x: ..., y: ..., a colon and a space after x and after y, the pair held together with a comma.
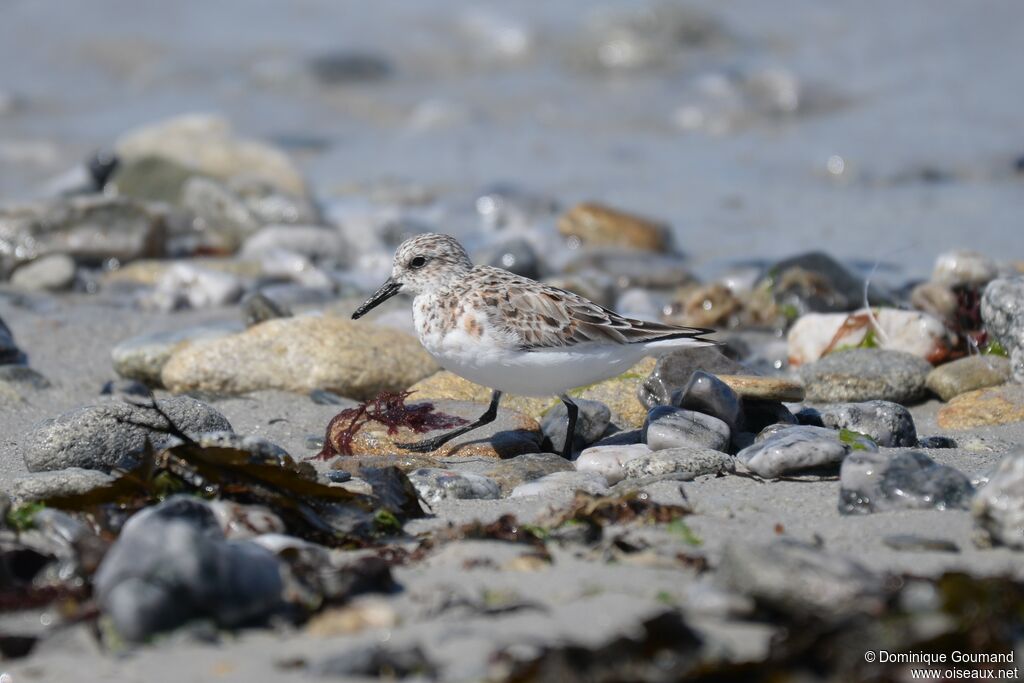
x: 514, y: 334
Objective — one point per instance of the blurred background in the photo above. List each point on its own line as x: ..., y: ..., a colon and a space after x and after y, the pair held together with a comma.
x: 879, y: 131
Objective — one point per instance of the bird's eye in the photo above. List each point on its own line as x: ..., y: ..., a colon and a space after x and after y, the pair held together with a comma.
x: 418, y: 262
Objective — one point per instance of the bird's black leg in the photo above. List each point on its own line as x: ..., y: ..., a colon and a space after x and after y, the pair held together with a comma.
x: 570, y: 435
x: 428, y: 445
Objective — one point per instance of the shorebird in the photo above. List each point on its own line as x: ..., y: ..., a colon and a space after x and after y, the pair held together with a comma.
x: 513, y: 334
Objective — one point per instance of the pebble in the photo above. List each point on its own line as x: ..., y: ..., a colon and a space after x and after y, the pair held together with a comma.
x: 143, y: 357
x: 353, y: 359
x: 754, y: 388
x: 510, y: 434
x: 257, y: 308
x: 622, y: 269
x: 936, y: 299
x: 787, y: 449
x: 879, y: 482
x: 963, y: 267
x: 816, y: 335
x: 670, y: 427
x: 609, y: 461
x: 888, y: 424
x: 208, y: 145
x: 859, y: 375
x: 1002, y: 310
x: 52, y: 273
x: 992, y: 406
x: 816, y: 283
x: 591, y: 482
x: 435, y: 485
x: 171, y: 563
x: 91, y: 229
x: 185, y: 285
x: 597, y: 225
x: 799, y: 578
x: 967, y: 374
x: 684, y: 463
x: 591, y: 423
x: 97, y: 436
x: 256, y: 445
x: 342, y: 67
x: 43, y: 485
x: 706, y: 393
x: 9, y: 351
x: 150, y: 178
x: 998, y: 507
x: 713, y: 305
x: 511, y: 472
x: 672, y: 372
x: 314, y: 242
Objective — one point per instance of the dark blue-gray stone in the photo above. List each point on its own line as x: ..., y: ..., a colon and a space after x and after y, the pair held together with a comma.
x: 876, y: 482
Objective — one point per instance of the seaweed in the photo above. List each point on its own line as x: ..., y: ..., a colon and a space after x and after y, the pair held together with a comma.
x: 632, y: 507
x: 20, y: 518
x: 389, y: 409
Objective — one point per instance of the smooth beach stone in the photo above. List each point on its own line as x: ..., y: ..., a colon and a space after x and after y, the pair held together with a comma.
x: 998, y: 507
x: 510, y: 434
x: 685, y: 463
x: 66, y: 482
x: 760, y: 414
x: 964, y: 267
x: 673, y: 371
x: 597, y: 225
x: 1002, y: 310
x: 792, y: 449
x: 967, y: 374
x: 670, y: 427
x: 878, y: 482
x: 835, y: 288
x: 149, y: 178
x: 53, y: 273
x: 517, y: 256
x: 435, y: 485
x: 754, y: 388
x: 186, y: 285
x: 706, y: 393
x: 592, y: 482
x: 799, y: 578
x: 511, y: 472
x: 592, y: 421
x: 171, y: 563
x: 257, y: 307
x: 256, y: 445
x: 866, y: 374
x: 627, y: 437
x: 993, y: 406
x: 315, y: 242
x: 608, y: 461
x: 100, y: 437
x: 143, y: 357
x: 353, y: 359
x: 888, y: 424
x: 91, y: 228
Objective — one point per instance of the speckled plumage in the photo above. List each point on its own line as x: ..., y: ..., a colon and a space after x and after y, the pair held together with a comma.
x: 515, y: 334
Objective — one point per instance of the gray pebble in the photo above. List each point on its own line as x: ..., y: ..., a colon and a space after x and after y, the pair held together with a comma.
x: 434, y: 485
x: 101, y: 436
x: 967, y: 374
x: 563, y: 482
x: 143, y: 357
x: 257, y: 307
x: 42, y: 485
x: 674, y: 370
x: 594, y: 418
x: 1002, y: 310
x: 669, y: 427
x: 998, y: 507
x: 54, y: 273
x: 684, y: 463
x: 19, y: 374
x: 888, y: 424
x: 9, y: 351
x: 877, y: 482
x: 791, y: 449
x: 864, y: 375
x: 707, y: 394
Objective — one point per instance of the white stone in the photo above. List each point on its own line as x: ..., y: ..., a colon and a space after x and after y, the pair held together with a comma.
x: 964, y: 267
x: 608, y: 461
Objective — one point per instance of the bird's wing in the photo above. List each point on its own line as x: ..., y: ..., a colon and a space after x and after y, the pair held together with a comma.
x: 539, y: 316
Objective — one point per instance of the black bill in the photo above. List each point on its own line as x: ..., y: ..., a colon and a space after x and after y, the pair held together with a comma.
x: 386, y: 291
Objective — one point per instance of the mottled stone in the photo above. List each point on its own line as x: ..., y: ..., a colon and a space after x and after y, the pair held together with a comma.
x: 685, y: 463
x: 143, y: 357
x: 864, y: 375
x: 353, y: 359
x: 608, y: 461
x: 564, y: 483
x: 992, y: 406
x: 964, y: 267
x: 670, y: 427
x: 510, y: 434
x: 968, y: 374
x: 887, y: 423
x: 998, y: 507
x: 65, y: 482
x: 787, y: 449
x: 101, y: 436
x: 1002, y: 310
x: 597, y: 225
x: 435, y: 485
x: 592, y: 421
x: 878, y: 482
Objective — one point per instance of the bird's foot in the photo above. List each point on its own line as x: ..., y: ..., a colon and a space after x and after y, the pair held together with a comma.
x: 425, y: 446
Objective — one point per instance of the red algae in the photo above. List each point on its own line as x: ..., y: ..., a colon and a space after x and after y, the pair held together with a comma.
x: 389, y: 409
